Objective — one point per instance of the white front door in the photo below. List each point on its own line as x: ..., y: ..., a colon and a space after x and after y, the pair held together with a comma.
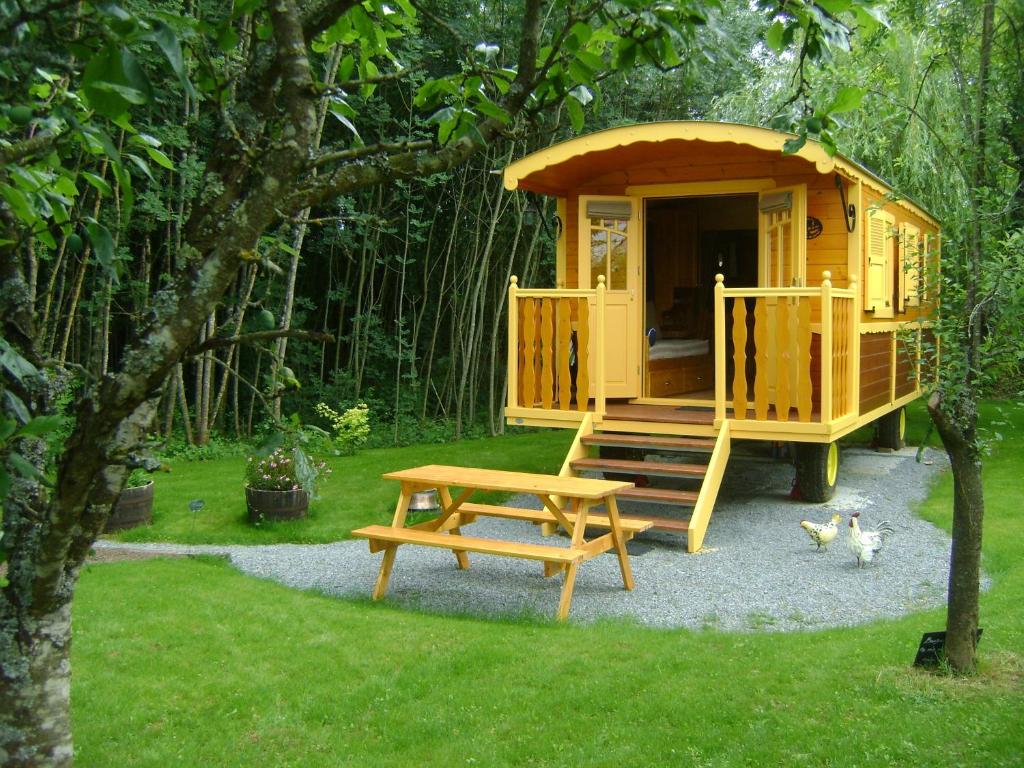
x: 609, y: 245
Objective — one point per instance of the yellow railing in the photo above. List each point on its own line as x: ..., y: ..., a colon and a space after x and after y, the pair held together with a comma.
x: 545, y: 328
x: 787, y: 370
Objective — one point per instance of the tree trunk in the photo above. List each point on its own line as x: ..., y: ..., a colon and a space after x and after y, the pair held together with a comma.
x: 35, y: 681
x: 965, y: 557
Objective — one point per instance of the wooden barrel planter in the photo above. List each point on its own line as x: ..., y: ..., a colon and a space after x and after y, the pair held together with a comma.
x: 275, y: 505
x: 133, y: 507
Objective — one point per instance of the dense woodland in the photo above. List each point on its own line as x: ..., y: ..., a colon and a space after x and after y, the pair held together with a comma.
x: 213, y: 216
x: 409, y: 279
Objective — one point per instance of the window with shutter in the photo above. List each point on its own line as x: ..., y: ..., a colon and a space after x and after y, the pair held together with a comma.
x: 878, y: 276
x: 910, y: 261
x: 928, y: 245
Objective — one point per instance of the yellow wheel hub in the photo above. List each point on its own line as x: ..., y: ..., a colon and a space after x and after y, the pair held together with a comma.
x: 832, y: 464
x: 903, y: 423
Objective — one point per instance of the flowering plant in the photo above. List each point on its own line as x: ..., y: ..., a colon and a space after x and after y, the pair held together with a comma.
x: 285, y: 470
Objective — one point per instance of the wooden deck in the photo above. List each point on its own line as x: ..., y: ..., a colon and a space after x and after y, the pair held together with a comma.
x: 670, y: 414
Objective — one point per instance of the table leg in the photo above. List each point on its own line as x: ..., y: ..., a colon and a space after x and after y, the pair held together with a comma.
x: 446, y: 500
x: 620, y: 543
x: 567, y: 587
x: 385, y: 572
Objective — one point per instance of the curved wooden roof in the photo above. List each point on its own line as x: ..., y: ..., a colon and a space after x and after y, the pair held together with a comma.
x: 561, y: 168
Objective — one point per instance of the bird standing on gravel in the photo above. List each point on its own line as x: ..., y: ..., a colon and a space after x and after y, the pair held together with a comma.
x: 822, y: 534
x: 865, y: 544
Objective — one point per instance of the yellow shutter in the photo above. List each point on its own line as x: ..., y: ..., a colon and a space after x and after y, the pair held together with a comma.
x: 879, y: 273
x: 924, y: 275
x: 910, y: 260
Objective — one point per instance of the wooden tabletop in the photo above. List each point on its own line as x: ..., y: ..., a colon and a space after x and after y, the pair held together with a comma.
x: 516, y: 482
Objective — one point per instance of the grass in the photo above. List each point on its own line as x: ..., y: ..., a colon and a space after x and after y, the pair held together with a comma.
x: 354, y: 494
x: 188, y: 662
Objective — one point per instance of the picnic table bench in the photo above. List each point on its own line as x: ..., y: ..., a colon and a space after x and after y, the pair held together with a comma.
x: 445, y: 530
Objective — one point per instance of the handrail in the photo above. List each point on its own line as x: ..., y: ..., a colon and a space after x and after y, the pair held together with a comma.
x: 782, y: 293
x: 776, y: 348
x: 548, y: 341
x: 555, y: 293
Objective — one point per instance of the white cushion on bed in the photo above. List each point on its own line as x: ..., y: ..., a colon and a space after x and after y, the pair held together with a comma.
x: 666, y: 348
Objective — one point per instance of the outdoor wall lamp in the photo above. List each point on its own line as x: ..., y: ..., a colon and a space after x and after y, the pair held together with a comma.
x: 849, y: 209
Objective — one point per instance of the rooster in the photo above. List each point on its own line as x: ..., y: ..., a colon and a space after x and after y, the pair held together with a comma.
x: 865, y: 544
x: 822, y: 534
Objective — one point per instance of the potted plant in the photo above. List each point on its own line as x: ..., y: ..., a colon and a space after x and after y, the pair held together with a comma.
x: 278, y: 485
x: 134, y: 506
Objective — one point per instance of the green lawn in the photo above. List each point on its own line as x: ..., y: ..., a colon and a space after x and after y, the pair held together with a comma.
x: 354, y: 495
x: 187, y: 662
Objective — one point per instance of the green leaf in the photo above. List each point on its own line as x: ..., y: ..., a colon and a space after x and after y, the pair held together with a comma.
x: 7, y: 427
x: 848, y: 99
x: 167, y: 41
x: 773, y: 38
x: 159, y: 158
x: 20, y: 204
x: 491, y: 109
x: 102, y: 246
x: 575, y: 114
x: 442, y: 115
x: 113, y: 81
x: 142, y: 165
x: 97, y: 182
x: 40, y: 425
x: 795, y: 144
x: 24, y: 467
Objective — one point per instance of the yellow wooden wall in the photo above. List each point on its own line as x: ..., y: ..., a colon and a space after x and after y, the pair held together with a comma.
x: 830, y: 251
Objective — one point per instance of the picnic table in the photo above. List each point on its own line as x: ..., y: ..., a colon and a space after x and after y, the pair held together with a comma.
x: 577, y: 495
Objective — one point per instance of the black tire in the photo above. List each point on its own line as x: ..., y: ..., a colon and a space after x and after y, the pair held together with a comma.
x: 817, y: 470
x: 891, y: 430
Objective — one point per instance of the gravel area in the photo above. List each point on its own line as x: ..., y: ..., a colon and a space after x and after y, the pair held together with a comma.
x: 758, y: 570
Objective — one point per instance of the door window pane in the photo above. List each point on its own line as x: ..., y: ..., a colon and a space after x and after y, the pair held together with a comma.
x: 609, y: 252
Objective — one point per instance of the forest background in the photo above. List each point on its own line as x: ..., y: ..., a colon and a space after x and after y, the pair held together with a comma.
x: 410, y: 279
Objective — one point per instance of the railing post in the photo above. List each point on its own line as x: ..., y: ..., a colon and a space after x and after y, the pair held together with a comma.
x: 720, y: 348
x: 853, y: 366
x: 512, y: 400
x: 599, y: 341
x: 826, y: 347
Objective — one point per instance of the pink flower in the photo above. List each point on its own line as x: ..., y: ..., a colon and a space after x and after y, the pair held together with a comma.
x: 295, y: 487
x: 273, y: 464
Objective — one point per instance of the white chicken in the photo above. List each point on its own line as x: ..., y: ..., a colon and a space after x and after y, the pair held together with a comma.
x: 822, y: 534
x: 865, y: 544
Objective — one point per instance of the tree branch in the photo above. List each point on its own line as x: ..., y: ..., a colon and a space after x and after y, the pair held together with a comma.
x: 250, y: 338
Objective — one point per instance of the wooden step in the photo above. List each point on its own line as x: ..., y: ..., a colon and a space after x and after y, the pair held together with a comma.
x: 673, y: 524
x: 658, y: 496
x: 649, y: 468
x: 635, y: 524
x: 662, y: 414
x: 385, y: 533
x: 651, y: 442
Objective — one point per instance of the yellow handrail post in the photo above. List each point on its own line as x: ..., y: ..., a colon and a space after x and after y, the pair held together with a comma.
x: 720, y: 348
x: 853, y: 367
x: 599, y: 341
x: 512, y: 399
x: 826, y: 347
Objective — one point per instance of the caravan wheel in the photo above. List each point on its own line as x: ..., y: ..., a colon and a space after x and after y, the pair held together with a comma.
x: 891, y: 430
x: 817, y: 470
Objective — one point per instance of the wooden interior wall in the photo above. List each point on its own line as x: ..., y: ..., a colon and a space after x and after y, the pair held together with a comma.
x: 875, y: 361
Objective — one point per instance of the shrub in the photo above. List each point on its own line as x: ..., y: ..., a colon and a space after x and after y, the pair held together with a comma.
x: 351, y: 428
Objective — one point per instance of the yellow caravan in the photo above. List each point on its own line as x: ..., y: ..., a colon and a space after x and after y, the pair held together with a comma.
x: 711, y: 288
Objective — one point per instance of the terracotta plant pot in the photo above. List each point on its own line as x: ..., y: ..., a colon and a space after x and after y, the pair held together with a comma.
x: 133, y: 507
x: 275, y: 505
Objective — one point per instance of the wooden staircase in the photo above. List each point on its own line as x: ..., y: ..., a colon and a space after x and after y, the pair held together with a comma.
x: 698, y: 472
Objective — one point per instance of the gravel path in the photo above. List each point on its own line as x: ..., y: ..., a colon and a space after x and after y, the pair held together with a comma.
x: 758, y: 571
